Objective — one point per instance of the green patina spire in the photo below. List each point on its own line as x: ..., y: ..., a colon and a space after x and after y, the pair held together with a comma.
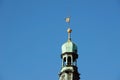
x: 69, y: 46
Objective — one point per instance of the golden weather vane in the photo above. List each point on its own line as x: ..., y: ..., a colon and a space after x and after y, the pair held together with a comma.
x: 67, y: 19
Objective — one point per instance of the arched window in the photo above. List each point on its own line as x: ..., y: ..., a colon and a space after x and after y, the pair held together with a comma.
x: 64, y: 61
x: 75, y: 62
x: 69, y: 60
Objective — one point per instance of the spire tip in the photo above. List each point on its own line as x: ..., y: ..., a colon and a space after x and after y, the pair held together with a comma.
x: 69, y: 30
x: 69, y: 34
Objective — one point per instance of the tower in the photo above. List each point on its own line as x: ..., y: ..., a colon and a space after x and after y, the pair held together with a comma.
x: 69, y: 70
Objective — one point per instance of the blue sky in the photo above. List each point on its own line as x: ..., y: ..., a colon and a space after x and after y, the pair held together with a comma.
x: 32, y: 32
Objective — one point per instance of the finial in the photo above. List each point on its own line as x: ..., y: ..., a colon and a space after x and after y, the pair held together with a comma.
x: 69, y: 30
x: 67, y: 19
x: 69, y: 34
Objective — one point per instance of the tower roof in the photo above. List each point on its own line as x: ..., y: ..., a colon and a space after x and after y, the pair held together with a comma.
x: 69, y: 46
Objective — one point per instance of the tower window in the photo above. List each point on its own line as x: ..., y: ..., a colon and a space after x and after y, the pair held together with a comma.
x: 69, y: 60
x: 64, y: 61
